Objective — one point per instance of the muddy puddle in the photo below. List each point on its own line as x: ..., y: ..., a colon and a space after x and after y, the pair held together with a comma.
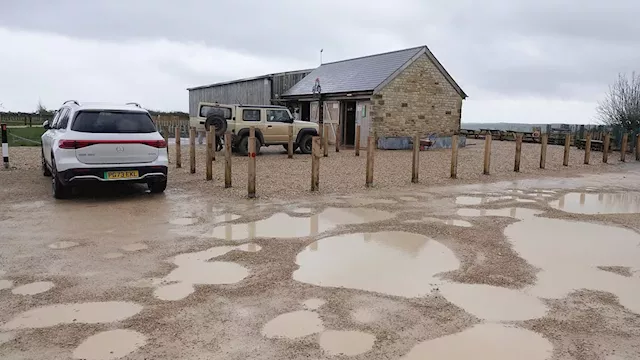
x: 476, y: 200
x: 601, y: 203
x: 485, y: 342
x: 196, y: 269
x: 293, y: 325
x: 33, y: 288
x: 63, y: 245
x: 571, y: 255
x: 452, y: 222
x: 492, y: 303
x: 313, y: 304
x: 282, y: 225
x: 394, y: 263
x: 6, y: 284
x: 80, y: 313
x: 347, y: 343
x: 108, y: 345
x: 135, y: 247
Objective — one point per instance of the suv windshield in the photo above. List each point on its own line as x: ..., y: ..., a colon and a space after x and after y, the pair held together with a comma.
x: 107, y: 121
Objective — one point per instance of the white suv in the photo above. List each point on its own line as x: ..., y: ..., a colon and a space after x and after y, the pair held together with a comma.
x: 103, y: 143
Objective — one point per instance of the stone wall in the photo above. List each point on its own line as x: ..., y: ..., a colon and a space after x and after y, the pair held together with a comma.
x: 419, y: 100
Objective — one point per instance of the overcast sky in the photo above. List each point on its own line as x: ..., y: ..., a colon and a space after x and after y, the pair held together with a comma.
x: 518, y: 60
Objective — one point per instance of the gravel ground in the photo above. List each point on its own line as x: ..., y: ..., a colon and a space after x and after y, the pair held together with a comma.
x: 225, y: 321
x: 343, y: 172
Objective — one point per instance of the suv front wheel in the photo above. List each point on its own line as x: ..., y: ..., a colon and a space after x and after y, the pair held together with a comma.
x: 243, y: 146
x: 306, y: 144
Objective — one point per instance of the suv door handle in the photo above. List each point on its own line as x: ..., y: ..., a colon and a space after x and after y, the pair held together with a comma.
x: 269, y: 126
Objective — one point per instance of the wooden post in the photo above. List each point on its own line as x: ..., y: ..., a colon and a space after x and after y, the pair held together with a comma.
x: 638, y: 147
x: 605, y: 147
x: 357, y: 140
x: 516, y: 165
x: 370, y: 148
x: 227, y: 160
x: 325, y: 141
x: 543, y: 150
x: 290, y: 144
x: 166, y: 139
x: 209, y: 164
x: 623, y: 147
x: 416, y: 159
x: 213, y: 142
x: 192, y: 150
x: 315, y: 163
x: 454, y: 157
x: 337, y: 138
x: 178, y: 150
x: 567, y: 147
x: 587, y: 148
x: 487, y: 154
x: 251, y: 185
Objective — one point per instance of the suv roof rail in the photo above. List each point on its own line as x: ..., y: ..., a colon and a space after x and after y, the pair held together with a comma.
x: 134, y: 104
x: 72, y: 101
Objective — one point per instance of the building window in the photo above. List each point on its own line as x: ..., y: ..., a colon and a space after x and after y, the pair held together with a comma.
x: 250, y: 115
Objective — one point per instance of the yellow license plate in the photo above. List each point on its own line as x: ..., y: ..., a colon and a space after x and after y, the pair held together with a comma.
x: 109, y: 175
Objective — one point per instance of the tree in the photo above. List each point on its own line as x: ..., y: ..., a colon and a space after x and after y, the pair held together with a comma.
x: 621, y: 105
x: 42, y: 110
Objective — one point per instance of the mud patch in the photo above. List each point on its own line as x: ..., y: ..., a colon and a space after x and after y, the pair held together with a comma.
x: 394, y: 263
x: 33, y: 288
x: 113, y: 255
x: 63, y: 245
x: 620, y: 270
x: 485, y: 342
x: 589, y: 203
x: 282, y: 225
x: 86, y: 313
x: 363, y: 315
x: 493, y: 303
x: 293, y: 325
x: 109, y: 345
x: 349, y: 343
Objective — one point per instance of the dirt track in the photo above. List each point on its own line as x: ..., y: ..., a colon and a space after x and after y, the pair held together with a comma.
x: 381, y: 267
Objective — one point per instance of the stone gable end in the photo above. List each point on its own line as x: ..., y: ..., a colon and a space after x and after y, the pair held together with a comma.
x: 419, y: 100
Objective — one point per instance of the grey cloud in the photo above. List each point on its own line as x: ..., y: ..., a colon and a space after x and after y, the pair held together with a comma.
x: 570, y: 49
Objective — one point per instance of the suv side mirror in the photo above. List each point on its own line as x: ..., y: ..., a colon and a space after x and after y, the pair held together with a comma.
x: 46, y: 125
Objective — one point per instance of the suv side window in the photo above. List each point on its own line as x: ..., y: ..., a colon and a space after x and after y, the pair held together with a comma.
x: 55, y: 119
x: 64, y: 120
x: 278, y: 115
x: 251, y: 115
x: 61, y: 114
x: 206, y: 111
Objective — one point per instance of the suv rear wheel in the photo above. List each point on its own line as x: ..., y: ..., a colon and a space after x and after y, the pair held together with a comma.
x: 157, y: 187
x: 60, y: 191
x: 286, y: 147
x: 45, y: 168
x: 243, y: 146
x: 306, y: 144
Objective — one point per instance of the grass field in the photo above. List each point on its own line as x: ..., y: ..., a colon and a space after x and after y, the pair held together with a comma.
x: 25, y: 136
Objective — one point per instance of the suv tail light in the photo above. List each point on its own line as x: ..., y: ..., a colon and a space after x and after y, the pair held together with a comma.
x: 78, y: 144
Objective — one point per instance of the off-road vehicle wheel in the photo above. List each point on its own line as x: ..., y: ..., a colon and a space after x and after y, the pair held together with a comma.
x: 243, y: 146
x: 218, y: 123
x: 306, y: 144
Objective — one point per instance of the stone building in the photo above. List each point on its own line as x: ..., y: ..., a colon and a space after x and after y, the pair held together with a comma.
x: 393, y: 96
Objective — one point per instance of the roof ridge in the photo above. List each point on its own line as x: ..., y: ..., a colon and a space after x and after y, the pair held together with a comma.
x: 372, y: 55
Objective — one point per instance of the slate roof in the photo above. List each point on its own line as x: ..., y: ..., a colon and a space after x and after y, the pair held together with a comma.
x: 364, y: 74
